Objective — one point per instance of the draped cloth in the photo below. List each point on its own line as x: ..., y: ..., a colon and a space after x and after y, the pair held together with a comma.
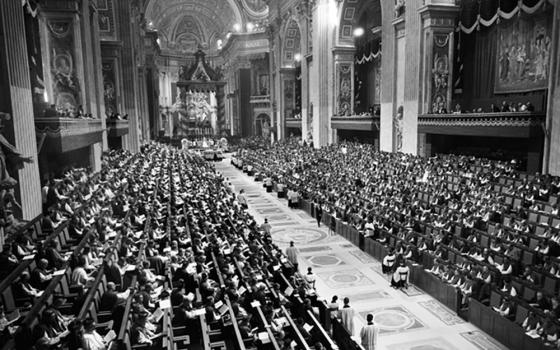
x: 475, y: 13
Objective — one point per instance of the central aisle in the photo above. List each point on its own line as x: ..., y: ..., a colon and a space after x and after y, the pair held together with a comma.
x: 406, y: 322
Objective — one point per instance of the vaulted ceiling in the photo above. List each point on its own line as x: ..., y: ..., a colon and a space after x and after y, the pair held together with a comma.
x: 183, y: 25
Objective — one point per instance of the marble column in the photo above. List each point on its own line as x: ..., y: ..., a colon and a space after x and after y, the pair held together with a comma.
x: 98, y: 73
x: 23, y: 125
x: 344, y: 81
x: 90, y: 97
x: 395, y: 117
x: 287, y: 81
x: 388, y: 38
x: 305, y: 65
x: 436, y: 66
x: 325, y: 15
x: 91, y: 59
x: 552, y: 141
x: 221, y: 112
x: 277, y: 86
x: 143, y: 103
x: 129, y: 73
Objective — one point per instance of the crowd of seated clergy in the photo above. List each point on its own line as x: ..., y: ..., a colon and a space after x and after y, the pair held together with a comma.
x: 93, y: 207
x: 439, y: 207
x: 183, y: 235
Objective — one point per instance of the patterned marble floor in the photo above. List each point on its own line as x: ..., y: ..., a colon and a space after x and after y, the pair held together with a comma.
x: 412, y: 321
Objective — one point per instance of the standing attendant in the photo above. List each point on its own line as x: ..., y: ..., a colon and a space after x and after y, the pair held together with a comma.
x: 368, y: 334
x: 242, y: 200
x: 318, y: 213
x: 388, y: 263
x: 266, y: 227
x: 347, y: 316
x: 400, y: 276
x: 291, y: 253
x: 310, y: 277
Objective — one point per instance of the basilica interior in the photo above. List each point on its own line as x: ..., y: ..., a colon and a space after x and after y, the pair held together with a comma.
x: 164, y: 156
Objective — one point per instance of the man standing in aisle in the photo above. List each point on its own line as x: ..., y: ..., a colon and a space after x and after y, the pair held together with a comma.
x: 318, y: 213
x: 242, y: 200
x: 266, y: 227
x: 347, y: 316
x: 291, y: 253
x: 368, y: 334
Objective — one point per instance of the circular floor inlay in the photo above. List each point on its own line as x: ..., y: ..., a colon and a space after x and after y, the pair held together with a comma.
x: 325, y: 260
x: 345, y: 278
x: 299, y: 236
x: 391, y: 319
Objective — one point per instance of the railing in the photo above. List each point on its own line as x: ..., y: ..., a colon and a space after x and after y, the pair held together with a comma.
x: 117, y: 127
x: 507, y: 124
x: 66, y: 134
x: 355, y: 122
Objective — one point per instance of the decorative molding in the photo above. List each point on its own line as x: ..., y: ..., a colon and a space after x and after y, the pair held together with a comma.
x: 440, y: 73
x: 510, y: 119
x: 344, y: 87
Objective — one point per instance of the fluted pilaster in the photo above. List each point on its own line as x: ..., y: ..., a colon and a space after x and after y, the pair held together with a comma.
x: 22, y: 104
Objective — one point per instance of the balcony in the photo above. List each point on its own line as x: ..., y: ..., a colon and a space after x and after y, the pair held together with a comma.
x: 509, y: 124
x: 117, y: 128
x: 59, y: 135
x: 293, y: 123
x: 364, y: 123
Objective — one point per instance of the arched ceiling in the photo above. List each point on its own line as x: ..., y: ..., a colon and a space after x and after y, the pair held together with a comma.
x: 291, y: 44
x: 366, y: 14
x: 183, y: 25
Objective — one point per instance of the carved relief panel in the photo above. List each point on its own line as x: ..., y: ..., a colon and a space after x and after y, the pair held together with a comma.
x: 62, y: 65
x: 344, y: 89
x: 440, y: 72
x: 110, y: 87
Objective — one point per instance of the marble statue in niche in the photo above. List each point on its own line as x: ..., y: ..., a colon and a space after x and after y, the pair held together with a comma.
x: 398, y: 129
x: 400, y: 7
x: 266, y: 129
x: 10, y: 160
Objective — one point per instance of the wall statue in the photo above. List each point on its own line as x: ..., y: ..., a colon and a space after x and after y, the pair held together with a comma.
x: 398, y: 129
x: 400, y: 7
x: 10, y: 160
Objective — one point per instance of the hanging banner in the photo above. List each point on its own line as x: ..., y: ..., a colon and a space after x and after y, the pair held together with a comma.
x: 522, y: 62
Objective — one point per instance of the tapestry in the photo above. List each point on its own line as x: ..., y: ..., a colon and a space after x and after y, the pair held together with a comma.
x: 524, y: 45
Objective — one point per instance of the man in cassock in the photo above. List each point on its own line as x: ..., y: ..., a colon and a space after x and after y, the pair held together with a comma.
x: 347, y: 316
x: 368, y: 334
x: 400, y: 276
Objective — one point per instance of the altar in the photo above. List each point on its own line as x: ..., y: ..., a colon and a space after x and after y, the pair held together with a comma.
x: 199, y: 108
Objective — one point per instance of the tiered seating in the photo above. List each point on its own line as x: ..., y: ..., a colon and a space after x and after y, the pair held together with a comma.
x: 72, y: 240
x: 440, y: 212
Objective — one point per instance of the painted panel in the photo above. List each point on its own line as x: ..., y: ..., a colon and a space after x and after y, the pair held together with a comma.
x: 65, y: 85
